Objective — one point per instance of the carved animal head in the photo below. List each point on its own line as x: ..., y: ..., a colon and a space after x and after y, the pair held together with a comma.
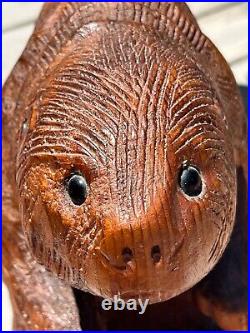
x: 125, y: 167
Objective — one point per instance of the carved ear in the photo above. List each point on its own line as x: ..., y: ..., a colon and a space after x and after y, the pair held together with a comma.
x: 227, y: 91
x: 222, y: 294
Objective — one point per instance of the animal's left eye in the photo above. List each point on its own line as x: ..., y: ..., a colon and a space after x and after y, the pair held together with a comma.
x: 77, y: 189
x: 190, y: 180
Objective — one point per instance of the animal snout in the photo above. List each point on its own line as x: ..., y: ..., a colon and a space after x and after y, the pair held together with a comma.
x: 127, y: 252
x: 135, y: 259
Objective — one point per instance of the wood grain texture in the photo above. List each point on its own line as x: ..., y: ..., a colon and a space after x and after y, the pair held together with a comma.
x: 125, y: 94
x: 18, y: 24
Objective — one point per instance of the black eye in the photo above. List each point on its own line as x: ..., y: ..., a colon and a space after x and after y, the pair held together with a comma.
x: 190, y: 181
x: 77, y: 189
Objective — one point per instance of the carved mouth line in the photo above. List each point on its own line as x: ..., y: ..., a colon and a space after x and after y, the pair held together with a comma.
x: 108, y: 263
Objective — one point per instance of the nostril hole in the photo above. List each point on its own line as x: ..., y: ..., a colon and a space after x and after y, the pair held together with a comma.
x: 127, y: 254
x: 156, y: 253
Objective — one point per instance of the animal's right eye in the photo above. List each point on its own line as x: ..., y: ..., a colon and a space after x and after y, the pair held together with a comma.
x: 190, y: 181
x: 77, y: 189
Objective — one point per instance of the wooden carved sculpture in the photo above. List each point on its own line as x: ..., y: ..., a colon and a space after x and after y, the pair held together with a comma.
x: 124, y: 172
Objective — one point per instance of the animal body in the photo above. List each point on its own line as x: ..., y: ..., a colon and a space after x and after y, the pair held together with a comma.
x: 124, y: 172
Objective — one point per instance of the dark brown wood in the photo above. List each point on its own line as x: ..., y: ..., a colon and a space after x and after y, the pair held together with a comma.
x: 125, y: 94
